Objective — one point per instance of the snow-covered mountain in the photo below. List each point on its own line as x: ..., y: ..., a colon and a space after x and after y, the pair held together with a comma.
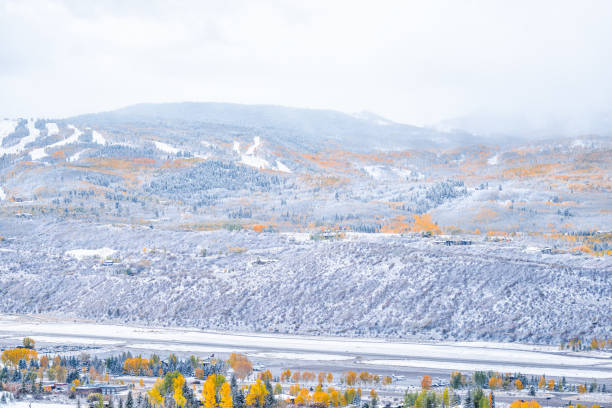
x: 312, y: 221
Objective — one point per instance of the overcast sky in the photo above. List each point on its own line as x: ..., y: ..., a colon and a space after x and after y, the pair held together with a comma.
x: 416, y: 62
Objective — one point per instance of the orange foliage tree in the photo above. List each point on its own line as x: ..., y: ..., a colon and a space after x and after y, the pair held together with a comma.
x: 426, y: 382
x: 241, y: 365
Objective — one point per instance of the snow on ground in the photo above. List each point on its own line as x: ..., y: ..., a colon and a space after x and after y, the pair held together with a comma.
x: 185, y: 348
x: 73, y: 138
x: 380, y: 172
x: 493, y: 161
x: 52, y: 128
x: 302, y: 356
x: 84, y: 253
x: 2, y: 194
x: 236, y: 147
x: 37, y: 404
x: 6, y: 128
x: 76, y: 156
x: 591, y: 397
x: 98, y: 138
x: 254, y: 161
x: 281, y: 167
x: 249, y: 157
x: 501, y: 368
x: 256, y: 143
x: 33, y: 134
x: 476, y: 353
x: 374, y: 171
x: 32, y: 131
x: 38, y: 154
x: 513, y: 346
x: 164, y: 147
x: 72, y: 340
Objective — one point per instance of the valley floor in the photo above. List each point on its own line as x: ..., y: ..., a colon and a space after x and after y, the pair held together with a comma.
x: 408, y: 361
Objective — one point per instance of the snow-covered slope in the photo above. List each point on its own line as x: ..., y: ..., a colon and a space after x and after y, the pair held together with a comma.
x: 381, y: 286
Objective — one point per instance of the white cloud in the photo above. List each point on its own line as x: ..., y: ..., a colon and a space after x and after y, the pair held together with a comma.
x: 414, y: 62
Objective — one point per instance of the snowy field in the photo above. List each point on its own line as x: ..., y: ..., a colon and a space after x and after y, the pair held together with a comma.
x: 348, y: 352
x: 37, y: 404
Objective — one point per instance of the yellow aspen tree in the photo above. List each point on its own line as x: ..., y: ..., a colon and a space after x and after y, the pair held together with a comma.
x: 177, y: 386
x: 226, y: 396
x: 542, y: 382
x: 518, y: 384
x: 334, y: 397
x: 209, y: 393
x: 321, y: 377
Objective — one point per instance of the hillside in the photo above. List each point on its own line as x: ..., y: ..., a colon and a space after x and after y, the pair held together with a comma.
x: 268, y: 218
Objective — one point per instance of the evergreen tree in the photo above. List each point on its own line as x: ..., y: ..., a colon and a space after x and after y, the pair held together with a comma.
x: 374, y: 402
x: 532, y: 391
x: 492, y: 400
x: 129, y: 403
x: 120, y: 403
x: 477, y: 397
x: 239, y: 400
x: 467, y: 403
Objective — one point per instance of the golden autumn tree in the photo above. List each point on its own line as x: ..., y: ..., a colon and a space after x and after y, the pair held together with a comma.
x: 303, y: 397
x: 518, y: 384
x: 320, y: 398
x: 542, y: 382
x: 226, y: 396
x: 265, y: 375
x: 135, y: 365
x: 495, y: 382
x: 330, y: 378
x: 334, y: 397
x: 28, y: 343
x: 285, y: 375
x: 11, y: 357
x: 177, y: 385
x: 157, y: 400
x: 44, y: 362
x: 525, y: 404
x: 209, y: 392
x: 257, y: 394
x: 241, y: 365
x: 350, y: 377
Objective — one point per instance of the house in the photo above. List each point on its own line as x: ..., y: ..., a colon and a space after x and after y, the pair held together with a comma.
x: 60, y: 387
x: 110, y: 389
x: 87, y: 389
